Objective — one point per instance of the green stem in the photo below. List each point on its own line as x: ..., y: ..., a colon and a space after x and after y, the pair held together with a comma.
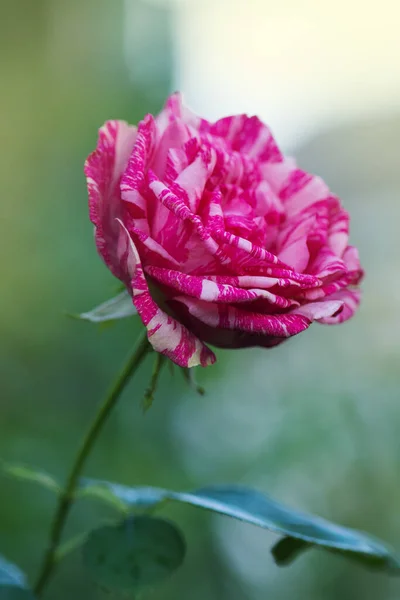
x: 66, y: 498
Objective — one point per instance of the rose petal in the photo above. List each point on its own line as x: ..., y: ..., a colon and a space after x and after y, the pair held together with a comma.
x: 350, y: 299
x: 315, y: 311
x: 103, y: 170
x: 165, y: 334
x: 210, y: 291
x: 223, y: 316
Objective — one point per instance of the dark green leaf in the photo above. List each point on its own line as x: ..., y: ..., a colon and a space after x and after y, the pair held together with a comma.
x: 299, y: 530
x: 253, y: 507
x: 26, y: 473
x: 287, y: 549
x: 139, y: 552
x: 119, y: 307
x: 13, y: 584
x: 122, y: 496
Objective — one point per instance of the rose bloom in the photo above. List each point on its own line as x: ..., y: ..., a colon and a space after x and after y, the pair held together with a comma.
x: 217, y: 236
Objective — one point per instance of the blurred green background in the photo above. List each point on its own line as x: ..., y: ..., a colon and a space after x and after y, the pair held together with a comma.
x: 315, y: 423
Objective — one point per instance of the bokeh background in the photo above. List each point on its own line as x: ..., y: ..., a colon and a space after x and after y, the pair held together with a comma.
x: 315, y: 422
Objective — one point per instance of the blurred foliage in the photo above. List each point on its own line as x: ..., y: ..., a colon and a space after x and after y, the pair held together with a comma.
x: 314, y: 422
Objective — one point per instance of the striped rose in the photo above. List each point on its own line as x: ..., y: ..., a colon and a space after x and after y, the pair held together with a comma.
x: 217, y: 236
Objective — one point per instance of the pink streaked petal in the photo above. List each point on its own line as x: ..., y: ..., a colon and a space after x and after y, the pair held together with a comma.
x: 176, y: 201
x: 296, y: 255
x: 193, y: 179
x: 350, y: 299
x: 135, y: 192
x: 212, y: 215
x: 210, y: 291
x: 339, y: 232
x: 175, y: 136
x: 133, y: 183
x: 175, y: 109
x: 315, y: 311
x: 103, y: 170
x: 301, y: 190
x: 256, y: 141
x: 352, y: 260
x: 277, y: 173
x: 157, y: 250
x: 267, y: 203
x: 228, y: 128
x: 246, y: 251
x: 166, y: 335
x: 327, y: 265
x: 258, y: 281
x: 350, y: 278
x: 224, y: 316
x: 294, y: 245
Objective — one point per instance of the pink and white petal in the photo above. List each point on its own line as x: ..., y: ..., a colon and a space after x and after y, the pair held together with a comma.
x: 344, y: 281
x: 103, y: 170
x: 326, y: 265
x: 350, y: 299
x: 212, y: 215
x: 210, y: 291
x: 315, y: 311
x: 339, y: 232
x: 165, y: 334
x: 296, y: 255
x: 257, y: 142
x: 351, y: 260
x: 175, y: 136
x: 194, y: 178
x: 267, y: 203
x: 202, y: 243
x: 228, y: 128
x: 245, y: 252
x: 225, y: 316
x: 155, y: 251
x: 175, y: 109
x: 301, y: 190
x: 294, y: 244
x: 259, y: 281
x: 277, y: 173
x: 133, y: 182
x: 148, y: 217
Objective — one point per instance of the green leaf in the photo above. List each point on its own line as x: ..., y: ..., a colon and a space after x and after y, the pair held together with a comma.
x: 299, y: 530
x: 287, y: 549
x: 119, y: 307
x: 253, y: 507
x: 13, y: 584
x: 26, y: 473
x: 122, y: 496
x: 139, y: 552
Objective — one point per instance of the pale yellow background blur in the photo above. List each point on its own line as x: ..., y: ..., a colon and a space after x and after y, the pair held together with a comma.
x: 300, y: 64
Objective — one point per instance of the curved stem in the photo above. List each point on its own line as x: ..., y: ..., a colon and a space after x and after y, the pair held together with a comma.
x: 66, y: 498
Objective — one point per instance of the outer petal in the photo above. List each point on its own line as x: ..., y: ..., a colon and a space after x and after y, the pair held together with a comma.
x: 230, y: 327
x: 315, y: 311
x: 223, y: 316
x: 256, y: 141
x: 350, y: 299
x: 211, y: 291
x: 165, y: 334
x: 175, y: 109
x: 103, y: 170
